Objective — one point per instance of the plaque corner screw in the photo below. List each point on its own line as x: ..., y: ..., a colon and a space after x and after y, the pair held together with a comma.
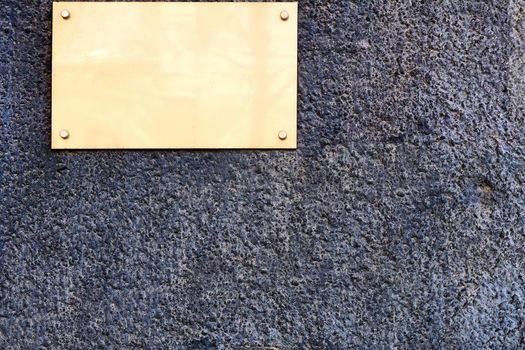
x: 65, y: 14
x: 285, y: 15
x: 283, y: 135
x: 64, y: 134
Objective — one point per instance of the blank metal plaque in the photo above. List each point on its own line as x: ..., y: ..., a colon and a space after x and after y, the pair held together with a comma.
x: 174, y: 75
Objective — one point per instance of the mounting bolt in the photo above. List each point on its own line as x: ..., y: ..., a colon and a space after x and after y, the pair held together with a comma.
x: 285, y: 15
x: 64, y: 134
x: 283, y: 135
x: 65, y: 14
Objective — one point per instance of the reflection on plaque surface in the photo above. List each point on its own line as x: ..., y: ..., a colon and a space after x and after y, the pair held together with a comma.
x: 174, y: 75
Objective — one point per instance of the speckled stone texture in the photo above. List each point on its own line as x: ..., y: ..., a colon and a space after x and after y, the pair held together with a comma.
x: 397, y: 224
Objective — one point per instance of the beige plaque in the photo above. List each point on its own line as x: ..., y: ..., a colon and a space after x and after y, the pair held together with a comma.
x: 174, y: 75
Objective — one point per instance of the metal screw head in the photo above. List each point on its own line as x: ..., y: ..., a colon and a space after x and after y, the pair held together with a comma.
x: 285, y: 15
x: 283, y: 135
x: 65, y: 14
x: 64, y: 134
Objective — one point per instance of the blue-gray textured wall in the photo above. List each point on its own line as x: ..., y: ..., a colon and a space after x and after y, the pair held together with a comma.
x: 397, y: 224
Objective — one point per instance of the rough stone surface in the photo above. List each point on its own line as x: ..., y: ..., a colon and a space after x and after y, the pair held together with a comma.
x: 398, y: 223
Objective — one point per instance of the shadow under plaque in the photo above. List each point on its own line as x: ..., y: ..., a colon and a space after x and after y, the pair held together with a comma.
x: 148, y: 75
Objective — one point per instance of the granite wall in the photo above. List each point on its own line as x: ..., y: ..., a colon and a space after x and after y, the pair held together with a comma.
x: 397, y: 224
